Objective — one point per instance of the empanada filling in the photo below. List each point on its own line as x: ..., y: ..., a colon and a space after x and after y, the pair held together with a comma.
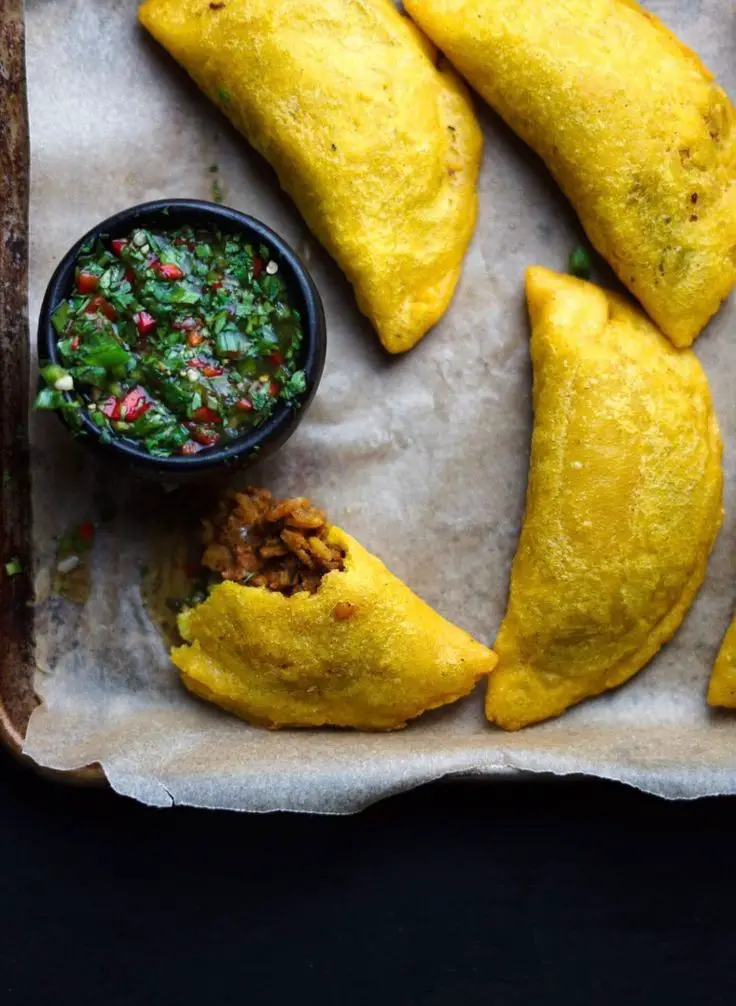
x: 278, y: 544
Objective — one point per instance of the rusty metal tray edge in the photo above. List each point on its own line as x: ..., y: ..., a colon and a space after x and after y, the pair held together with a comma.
x: 17, y: 665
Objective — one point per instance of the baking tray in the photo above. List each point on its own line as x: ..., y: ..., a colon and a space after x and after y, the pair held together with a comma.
x: 662, y: 754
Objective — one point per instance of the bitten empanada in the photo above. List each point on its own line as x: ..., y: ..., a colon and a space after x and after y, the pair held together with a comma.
x: 623, y: 503
x: 310, y: 629
x: 378, y: 148
x: 632, y: 126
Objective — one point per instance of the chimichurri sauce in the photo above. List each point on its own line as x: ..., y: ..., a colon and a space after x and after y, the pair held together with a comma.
x: 174, y: 341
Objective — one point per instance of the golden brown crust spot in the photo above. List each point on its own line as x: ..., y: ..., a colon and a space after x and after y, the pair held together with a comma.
x: 343, y: 611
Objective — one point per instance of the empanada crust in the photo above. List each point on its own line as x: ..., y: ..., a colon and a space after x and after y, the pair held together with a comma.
x: 623, y: 502
x: 378, y: 148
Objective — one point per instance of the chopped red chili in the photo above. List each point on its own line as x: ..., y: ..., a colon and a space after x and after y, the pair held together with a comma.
x: 144, y: 322
x: 100, y: 304
x: 205, y: 415
x: 134, y: 405
x: 86, y: 531
x: 205, y: 438
x: 208, y: 369
x: 168, y: 270
x: 87, y: 282
x: 111, y: 408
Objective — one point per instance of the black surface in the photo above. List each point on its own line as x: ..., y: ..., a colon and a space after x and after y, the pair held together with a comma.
x: 584, y: 893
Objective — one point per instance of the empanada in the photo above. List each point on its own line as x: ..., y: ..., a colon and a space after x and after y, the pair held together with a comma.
x: 378, y: 148
x: 630, y: 123
x: 722, y: 685
x: 623, y: 503
x: 310, y: 629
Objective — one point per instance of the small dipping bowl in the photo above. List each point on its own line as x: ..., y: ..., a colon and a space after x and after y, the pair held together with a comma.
x: 258, y: 442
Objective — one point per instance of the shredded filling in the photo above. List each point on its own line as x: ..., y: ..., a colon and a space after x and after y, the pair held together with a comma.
x: 278, y: 544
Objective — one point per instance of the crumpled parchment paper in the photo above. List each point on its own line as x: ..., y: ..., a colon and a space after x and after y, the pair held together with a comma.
x: 423, y: 458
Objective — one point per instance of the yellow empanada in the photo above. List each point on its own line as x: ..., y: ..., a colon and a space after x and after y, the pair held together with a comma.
x: 631, y: 125
x: 352, y: 648
x: 622, y: 508
x: 722, y: 686
x: 378, y: 147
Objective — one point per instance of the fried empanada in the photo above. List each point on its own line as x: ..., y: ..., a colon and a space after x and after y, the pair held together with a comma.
x: 623, y: 503
x: 722, y: 685
x: 327, y: 636
x: 630, y: 123
x: 378, y: 148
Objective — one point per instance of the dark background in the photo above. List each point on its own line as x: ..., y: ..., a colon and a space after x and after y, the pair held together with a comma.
x: 461, y: 893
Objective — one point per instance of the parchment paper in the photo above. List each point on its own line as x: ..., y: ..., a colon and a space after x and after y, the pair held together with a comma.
x: 423, y: 458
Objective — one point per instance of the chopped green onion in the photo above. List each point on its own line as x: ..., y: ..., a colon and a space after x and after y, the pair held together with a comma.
x: 67, y: 564
x: 13, y: 566
x: 52, y: 373
x: 60, y: 317
x: 107, y: 353
x: 71, y: 411
x: 96, y: 377
x: 49, y: 398
x: 231, y: 342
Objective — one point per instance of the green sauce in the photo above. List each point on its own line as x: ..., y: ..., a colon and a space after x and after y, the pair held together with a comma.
x: 175, y: 342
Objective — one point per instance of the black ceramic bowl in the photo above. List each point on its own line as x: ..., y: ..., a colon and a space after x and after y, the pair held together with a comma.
x: 256, y: 443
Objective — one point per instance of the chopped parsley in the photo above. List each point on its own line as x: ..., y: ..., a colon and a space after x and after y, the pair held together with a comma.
x: 218, y: 196
x: 79, y: 538
x: 579, y: 263
x: 176, y: 342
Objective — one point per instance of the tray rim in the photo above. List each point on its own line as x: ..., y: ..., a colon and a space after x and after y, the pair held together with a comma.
x: 15, y: 668
x: 18, y: 698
